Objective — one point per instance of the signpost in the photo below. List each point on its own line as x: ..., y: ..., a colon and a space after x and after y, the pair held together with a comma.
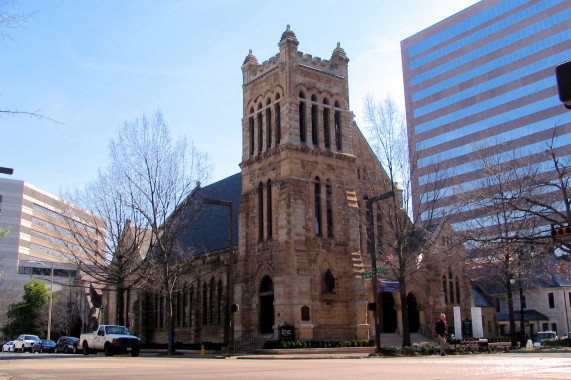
x: 370, y: 274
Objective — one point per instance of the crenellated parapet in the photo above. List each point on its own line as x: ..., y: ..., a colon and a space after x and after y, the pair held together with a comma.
x: 336, y: 66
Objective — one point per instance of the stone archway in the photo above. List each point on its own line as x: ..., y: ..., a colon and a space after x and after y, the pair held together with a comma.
x: 413, y: 315
x: 389, y: 313
x: 267, y: 317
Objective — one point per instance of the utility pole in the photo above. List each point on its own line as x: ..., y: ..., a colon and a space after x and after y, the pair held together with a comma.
x: 371, y: 250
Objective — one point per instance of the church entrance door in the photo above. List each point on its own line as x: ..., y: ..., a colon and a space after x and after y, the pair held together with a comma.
x: 413, y: 317
x: 267, y: 306
x: 389, y: 313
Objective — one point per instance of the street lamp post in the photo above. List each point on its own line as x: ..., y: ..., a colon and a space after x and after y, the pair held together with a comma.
x: 371, y: 251
x: 230, y: 279
x: 522, y: 320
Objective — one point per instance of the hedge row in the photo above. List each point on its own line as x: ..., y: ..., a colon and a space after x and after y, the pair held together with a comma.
x: 289, y: 344
x: 565, y: 342
x: 430, y: 348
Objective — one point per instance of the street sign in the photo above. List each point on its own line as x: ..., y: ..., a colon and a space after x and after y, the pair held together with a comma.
x: 370, y: 275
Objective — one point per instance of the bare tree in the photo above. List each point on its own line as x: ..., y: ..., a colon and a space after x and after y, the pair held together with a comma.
x: 496, y: 229
x: 411, y: 238
x: 106, y: 247
x: 542, y: 192
x: 161, y: 179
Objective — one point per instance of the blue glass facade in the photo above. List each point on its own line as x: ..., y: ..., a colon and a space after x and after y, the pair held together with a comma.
x: 482, y: 82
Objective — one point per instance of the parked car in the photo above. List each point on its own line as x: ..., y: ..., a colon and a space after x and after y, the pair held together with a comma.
x: 44, y: 345
x: 110, y: 339
x: 25, y: 342
x: 543, y: 335
x: 67, y: 344
x: 8, y: 346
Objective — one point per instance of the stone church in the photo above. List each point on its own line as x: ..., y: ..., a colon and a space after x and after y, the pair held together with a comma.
x: 300, y: 243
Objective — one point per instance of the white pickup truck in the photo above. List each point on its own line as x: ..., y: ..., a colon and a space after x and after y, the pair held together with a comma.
x: 110, y: 339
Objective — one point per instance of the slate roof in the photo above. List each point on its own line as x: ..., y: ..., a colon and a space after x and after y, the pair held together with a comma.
x: 210, y: 231
x: 480, y: 300
x: 528, y: 315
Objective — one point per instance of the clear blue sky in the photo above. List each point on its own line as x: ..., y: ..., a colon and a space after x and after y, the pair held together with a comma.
x: 92, y: 65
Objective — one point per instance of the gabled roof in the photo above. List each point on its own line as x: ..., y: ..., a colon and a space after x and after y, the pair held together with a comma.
x: 479, y: 299
x: 528, y: 315
x: 210, y: 230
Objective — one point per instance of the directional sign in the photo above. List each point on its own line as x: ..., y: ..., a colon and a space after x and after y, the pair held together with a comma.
x: 370, y: 275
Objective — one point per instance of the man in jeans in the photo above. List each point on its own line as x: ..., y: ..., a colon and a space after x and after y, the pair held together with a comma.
x: 441, y: 333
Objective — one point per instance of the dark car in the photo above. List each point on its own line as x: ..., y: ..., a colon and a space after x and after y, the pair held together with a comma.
x: 44, y: 345
x: 67, y: 344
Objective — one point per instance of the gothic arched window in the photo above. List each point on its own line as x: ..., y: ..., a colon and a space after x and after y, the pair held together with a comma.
x: 269, y: 209
x: 338, y: 127
x: 329, y: 208
x: 314, y: 126
x: 260, y: 129
x: 317, y: 200
x: 269, y: 124
x: 326, y: 132
x: 278, y: 122
x: 305, y: 313
x: 445, y: 289
x: 457, y: 290
x: 302, y: 122
x: 252, y: 133
x: 261, y: 211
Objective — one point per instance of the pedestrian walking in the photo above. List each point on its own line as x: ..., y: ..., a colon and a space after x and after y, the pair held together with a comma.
x: 441, y: 329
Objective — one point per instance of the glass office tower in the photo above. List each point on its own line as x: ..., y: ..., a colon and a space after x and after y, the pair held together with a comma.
x: 482, y: 83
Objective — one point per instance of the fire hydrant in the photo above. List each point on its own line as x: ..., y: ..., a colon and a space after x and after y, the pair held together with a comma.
x: 202, y: 350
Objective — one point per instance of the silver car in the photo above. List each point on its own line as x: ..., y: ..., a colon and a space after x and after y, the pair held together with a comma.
x: 25, y: 342
x: 8, y: 346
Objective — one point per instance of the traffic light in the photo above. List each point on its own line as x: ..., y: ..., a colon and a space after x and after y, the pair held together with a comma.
x: 557, y: 232
x: 563, y: 76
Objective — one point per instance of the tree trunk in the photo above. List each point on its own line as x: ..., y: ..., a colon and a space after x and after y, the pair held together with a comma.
x: 511, y: 314
x: 120, y: 307
x: 170, y: 324
x: 404, y: 312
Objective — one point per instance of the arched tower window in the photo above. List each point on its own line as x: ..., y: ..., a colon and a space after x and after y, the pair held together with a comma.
x: 326, y: 134
x: 190, y: 305
x: 252, y: 132
x: 457, y: 290
x: 204, y: 303
x: 317, y: 200
x: 219, y: 302
x: 261, y: 211
x: 269, y: 209
x: 338, y: 127
x: 212, y: 312
x: 260, y: 129
x: 445, y: 289
x: 302, y: 122
x: 269, y: 124
x: 329, y: 208
x: 278, y: 121
x: 314, y: 126
x: 305, y: 317
x: 451, y: 285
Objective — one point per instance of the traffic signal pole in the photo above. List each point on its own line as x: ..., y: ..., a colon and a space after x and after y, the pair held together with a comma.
x: 377, y: 314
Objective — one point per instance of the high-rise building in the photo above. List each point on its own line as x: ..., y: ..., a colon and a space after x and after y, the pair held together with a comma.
x: 40, y: 236
x: 482, y: 83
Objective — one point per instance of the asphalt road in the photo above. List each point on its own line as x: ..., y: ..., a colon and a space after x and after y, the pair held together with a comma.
x: 496, y: 366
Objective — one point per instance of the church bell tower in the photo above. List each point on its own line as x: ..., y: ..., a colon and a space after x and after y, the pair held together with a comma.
x: 299, y: 234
